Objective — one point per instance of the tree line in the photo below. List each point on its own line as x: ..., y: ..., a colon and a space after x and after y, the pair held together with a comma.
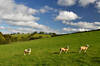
x: 14, y: 37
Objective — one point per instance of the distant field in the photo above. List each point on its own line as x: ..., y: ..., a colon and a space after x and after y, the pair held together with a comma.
x: 45, y: 51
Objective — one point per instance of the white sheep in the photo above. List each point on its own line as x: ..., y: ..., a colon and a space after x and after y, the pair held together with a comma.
x: 64, y: 50
x: 27, y: 51
x: 84, y: 48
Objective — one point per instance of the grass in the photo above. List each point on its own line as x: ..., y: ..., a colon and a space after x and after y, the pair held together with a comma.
x: 41, y: 35
x: 45, y: 52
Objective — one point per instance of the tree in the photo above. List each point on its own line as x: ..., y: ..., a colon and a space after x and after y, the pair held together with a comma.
x: 34, y: 33
x: 41, y: 32
x: 53, y: 34
x: 3, y: 39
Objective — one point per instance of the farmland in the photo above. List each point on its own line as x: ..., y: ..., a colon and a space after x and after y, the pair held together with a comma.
x: 45, y: 51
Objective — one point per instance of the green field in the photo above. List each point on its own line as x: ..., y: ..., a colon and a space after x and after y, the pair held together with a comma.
x: 45, y: 51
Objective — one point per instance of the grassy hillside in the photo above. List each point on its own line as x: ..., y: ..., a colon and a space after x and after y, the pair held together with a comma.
x: 26, y: 37
x: 41, y: 36
x: 2, y: 38
x: 45, y: 51
x: 20, y: 37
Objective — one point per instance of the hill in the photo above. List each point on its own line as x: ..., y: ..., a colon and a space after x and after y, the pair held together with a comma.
x: 45, y: 52
x: 27, y: 37
x: 2, y: 38
x: 16, y: 37
x: 38, y: 36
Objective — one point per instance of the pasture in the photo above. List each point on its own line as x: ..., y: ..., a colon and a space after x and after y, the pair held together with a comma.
x: 45, y: 51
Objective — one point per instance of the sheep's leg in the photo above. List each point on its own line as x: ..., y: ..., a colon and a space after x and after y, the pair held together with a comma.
x: 60, y: 51
x: 84, y: 51
x: 24, y: 53
x: 29, y: 53
x: 65, y: 51
x: 79, y: 51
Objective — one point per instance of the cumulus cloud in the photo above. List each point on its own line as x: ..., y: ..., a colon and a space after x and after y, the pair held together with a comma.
x: 2, y: 27
x: 46, y: 9
x: 10, y: 29
x: 85, y: 25
x: 19, y: 17
x: 22, y: 17
x: 67, y: 16
x: 86, y: 2
x: 13, y: 12
x: 98, y: 5
x: 66, y: 2
x: 73, y: 2
x: 30, y: 24
x: 75, y: 29
x: 15, y: 30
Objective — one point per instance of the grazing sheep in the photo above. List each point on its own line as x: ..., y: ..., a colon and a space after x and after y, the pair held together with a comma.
x: 64, y: 50
x: 84, y: 48
x: 27, y: 51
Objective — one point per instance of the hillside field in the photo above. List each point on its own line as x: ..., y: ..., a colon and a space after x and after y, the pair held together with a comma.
x: 45, y: 51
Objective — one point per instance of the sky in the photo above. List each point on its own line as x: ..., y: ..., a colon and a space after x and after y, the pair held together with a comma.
x: 56, y: 16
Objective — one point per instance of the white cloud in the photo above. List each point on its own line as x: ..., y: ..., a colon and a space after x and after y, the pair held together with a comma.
x: 2, y: 27
x: 15, y: 30
x: 85, y: 25
x: 98, y: 5
x: 67, y: 16
x: 19, y: 17
x: 43, y: 10
x: 10, y: 29
x: 30, y: 24
x: 73, y: 2
x: 46, y: 9
x: 12, y: 11
x: 86, y: 2
x: 97, y: 23
x: 22, y: 17
x: 75, y: 29
x: 66, y: 2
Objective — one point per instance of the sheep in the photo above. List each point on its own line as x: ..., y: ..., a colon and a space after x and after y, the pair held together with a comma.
x: 64, y: 50
x: 27, y: 51
x: 84, y: 48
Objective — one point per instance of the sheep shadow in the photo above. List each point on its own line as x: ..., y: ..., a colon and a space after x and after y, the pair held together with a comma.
x: 55, y: 52
x: 72, y: 52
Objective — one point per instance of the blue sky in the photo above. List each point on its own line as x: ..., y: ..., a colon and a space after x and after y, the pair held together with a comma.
x: 59, y: 16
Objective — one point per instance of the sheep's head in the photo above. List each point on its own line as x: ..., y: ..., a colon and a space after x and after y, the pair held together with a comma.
x: 87, y: 45
x: 29, y: 49
x: 68, y: 47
